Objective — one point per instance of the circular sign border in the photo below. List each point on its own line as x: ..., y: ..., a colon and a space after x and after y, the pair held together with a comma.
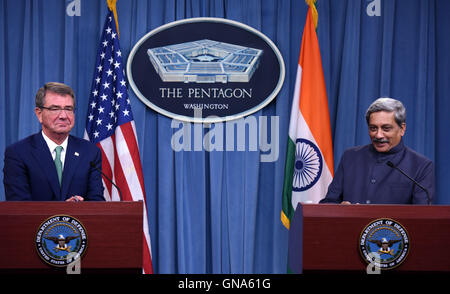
x: 213, y: 119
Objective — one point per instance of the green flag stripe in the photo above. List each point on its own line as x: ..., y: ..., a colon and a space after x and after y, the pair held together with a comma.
x: 287, y: 209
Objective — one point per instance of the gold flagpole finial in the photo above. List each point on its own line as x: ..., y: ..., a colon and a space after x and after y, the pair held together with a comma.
x: 112, y: 7
x: 315, y: 15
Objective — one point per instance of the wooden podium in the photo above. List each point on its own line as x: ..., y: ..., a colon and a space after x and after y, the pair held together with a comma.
x: 329, y: 235
x: 114, y: 235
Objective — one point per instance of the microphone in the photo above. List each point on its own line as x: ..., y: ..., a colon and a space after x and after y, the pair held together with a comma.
x: 390, y: 164
x: 118, y: 189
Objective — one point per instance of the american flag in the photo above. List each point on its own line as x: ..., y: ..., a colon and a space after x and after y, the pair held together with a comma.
x: 111, y: 127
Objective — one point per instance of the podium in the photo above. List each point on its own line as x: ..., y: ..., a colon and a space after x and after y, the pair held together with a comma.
x: 113, y: 229
x: 325, y: 237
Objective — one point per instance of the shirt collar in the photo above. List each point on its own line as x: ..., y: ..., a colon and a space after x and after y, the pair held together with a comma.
x: 52, y: 145
x: 383, y: 156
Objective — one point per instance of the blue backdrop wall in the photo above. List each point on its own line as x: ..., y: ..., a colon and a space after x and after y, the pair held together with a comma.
x: 219, y: 212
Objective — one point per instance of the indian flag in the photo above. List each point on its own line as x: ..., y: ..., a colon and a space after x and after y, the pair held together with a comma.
x: 309, y: 158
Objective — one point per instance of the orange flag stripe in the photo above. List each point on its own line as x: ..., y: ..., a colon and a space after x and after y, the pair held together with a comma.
x: 313, y: 96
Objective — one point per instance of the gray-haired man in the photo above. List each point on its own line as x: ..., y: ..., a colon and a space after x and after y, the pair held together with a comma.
x: 365, y: 173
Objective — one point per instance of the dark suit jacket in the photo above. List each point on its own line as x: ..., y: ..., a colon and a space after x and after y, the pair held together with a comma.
x: 30, y: 173
x: 364, y: 177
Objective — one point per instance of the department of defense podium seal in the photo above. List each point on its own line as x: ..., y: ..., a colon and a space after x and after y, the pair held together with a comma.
x: 384, y: 243
x: 61, y: 240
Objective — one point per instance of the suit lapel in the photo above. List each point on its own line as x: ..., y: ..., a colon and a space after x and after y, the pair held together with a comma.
x: 71, y: 161
x: 43, y: 156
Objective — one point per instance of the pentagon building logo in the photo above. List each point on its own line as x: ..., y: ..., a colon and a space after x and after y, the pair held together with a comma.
x: 224, y: 68
x: 205, y: 61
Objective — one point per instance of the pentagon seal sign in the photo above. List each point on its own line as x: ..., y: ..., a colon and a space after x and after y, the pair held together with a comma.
x: 384, y: 243
x: 61, y: 240
x: 205, y: 69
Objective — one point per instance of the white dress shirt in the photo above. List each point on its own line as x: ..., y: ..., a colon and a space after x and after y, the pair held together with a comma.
x: 52, y: 146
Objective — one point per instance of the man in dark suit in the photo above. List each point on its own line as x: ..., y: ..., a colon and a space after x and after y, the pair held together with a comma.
x: 53, y: 165
x: 366, y: 175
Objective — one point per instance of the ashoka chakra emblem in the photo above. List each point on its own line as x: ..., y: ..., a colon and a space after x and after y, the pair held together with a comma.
x: 308, y: 165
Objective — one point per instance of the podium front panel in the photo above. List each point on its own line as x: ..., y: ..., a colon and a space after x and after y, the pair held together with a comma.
x: 331, y: 235
x: 114, y: 233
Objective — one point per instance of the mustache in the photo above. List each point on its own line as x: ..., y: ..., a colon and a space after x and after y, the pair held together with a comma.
x: 375, y: 140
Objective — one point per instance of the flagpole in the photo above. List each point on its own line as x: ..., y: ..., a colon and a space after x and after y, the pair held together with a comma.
x: 314, y: 13
x: 112, y: 7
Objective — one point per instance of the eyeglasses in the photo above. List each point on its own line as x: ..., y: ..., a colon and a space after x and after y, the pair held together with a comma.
x: 57, y: 109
